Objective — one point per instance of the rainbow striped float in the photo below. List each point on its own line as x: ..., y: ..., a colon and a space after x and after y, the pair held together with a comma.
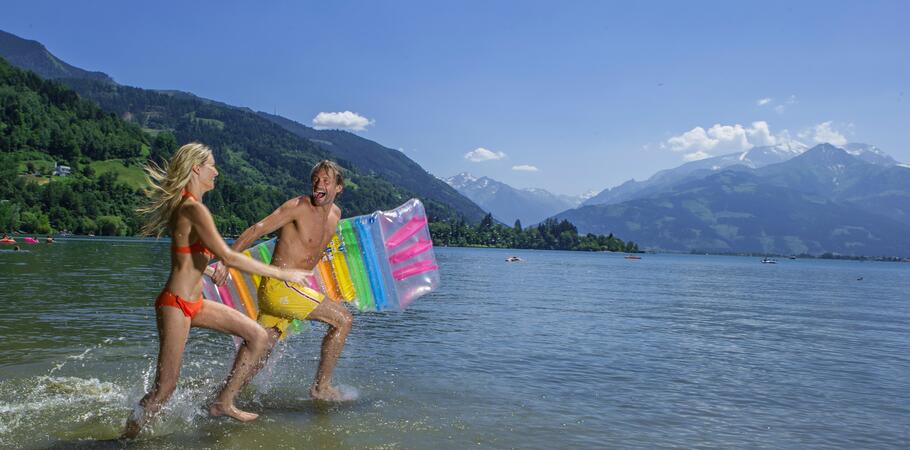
x: 380, y: 262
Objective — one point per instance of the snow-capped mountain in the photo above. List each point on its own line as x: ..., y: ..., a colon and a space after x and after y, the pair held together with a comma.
x: 507, y: 204
x: 754, y: 158
x: 870, y: 154
x: 826, y: 199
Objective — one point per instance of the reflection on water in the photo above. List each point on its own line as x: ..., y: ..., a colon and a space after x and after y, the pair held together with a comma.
x: 565, y: 349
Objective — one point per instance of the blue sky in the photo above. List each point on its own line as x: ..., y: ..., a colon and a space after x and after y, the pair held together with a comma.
x: 568, y: 97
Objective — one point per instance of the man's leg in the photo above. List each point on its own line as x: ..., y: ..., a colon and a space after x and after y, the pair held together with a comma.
x: 340, y: 320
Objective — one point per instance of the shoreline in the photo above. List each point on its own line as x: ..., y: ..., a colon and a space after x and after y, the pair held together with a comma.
x: 229, y: 240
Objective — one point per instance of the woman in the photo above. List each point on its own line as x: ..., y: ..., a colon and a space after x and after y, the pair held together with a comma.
x: 175, y: 207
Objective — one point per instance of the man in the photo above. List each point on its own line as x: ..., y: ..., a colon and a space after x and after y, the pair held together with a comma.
x: 305, y: 226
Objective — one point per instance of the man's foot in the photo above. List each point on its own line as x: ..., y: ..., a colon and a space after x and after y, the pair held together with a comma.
x: 219, y: 409
x: 328, y: 394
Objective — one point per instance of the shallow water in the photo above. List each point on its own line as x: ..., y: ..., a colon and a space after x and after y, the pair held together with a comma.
x: 563, y: 350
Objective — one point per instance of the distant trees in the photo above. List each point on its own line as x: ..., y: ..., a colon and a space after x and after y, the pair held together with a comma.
x: 46, y: 116
x: 548, y: 235
x: 163, y: 147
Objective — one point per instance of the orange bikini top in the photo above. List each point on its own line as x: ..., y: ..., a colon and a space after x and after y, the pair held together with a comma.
x: 195, y: 247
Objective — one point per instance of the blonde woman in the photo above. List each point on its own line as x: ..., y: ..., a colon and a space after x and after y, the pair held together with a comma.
x: 175, y: 207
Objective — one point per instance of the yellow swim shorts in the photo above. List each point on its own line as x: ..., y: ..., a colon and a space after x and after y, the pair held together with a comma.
x: 281, y: 302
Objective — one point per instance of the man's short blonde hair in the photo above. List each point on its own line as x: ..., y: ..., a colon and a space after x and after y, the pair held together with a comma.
x: 327, y: 165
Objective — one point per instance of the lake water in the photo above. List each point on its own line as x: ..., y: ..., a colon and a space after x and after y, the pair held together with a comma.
x: 563, y: 350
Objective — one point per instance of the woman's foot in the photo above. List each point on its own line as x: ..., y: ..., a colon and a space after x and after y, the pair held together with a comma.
x: 132, y: 430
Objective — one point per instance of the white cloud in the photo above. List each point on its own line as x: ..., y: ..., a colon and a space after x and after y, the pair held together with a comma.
x: 480, y: 154
x: 694, y: 138
x: 341, y: 120
x: 718, y: 138
x: 764, y: 101
x: 760, y: 135
x: 824, y: 132
x: 732, y: 137
x: 786, y: 104
x: 699, y: 143
x: 525, y: 168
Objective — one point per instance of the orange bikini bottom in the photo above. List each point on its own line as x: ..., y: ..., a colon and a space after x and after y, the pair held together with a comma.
x: 189, y: 307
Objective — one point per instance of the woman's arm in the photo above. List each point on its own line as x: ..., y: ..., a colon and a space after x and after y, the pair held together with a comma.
x: 277, y: 219
x: 205, y: 228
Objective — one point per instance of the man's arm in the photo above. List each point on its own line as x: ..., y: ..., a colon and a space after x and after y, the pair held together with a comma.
x: 277, y: 219
x: 208, y: 234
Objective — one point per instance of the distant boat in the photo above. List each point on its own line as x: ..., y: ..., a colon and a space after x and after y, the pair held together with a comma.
x: 632, y: 257
x: 792, y: 257
x: 768, y: 261
x: 514, y: 259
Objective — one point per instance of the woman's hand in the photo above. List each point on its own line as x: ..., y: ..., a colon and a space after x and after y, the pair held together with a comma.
x: 295, y: 276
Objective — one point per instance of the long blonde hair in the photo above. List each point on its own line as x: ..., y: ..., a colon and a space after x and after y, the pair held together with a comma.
x: 166, y: 186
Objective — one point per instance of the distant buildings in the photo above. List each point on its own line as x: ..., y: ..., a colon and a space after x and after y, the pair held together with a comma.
x: 61, y: 171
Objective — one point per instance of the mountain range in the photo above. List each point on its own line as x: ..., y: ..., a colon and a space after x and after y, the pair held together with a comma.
x: 825, y: 199
x: 784, y: 199
x: 754, y: 158
x: 508, y: 204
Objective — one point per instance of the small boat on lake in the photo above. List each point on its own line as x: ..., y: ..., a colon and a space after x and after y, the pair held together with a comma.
x: 768, y: 261
x: 514, y: 259
x: 632, y: 257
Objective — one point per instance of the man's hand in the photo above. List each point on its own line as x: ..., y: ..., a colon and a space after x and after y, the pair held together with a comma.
x: 221, y: 274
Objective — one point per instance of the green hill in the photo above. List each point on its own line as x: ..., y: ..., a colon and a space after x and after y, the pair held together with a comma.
x: 44, y: 122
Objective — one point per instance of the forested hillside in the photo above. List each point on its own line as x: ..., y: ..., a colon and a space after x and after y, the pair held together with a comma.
x: 44, y: 123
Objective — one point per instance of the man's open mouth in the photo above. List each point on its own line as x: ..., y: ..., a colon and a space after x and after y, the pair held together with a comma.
x: 320, y: 195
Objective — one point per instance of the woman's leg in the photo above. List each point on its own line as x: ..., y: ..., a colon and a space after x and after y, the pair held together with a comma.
x: 173, y: 329
x: 218, y: 317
